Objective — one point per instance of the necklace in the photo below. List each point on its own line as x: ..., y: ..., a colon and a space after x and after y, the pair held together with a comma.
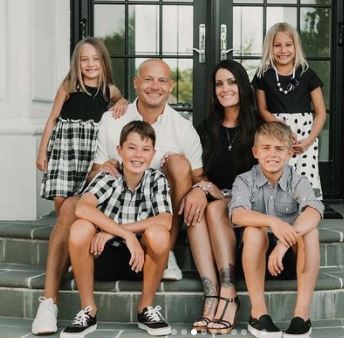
x: 291, y: 85
x: 230, y: 142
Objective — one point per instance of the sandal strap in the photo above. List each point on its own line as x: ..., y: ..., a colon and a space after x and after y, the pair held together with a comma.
x: 223, y: 322
x: 203, y: 319
x: 228, y: 300
x: 205, y: 297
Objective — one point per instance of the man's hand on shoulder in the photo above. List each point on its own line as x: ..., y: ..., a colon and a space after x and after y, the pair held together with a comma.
x: 110, y: 166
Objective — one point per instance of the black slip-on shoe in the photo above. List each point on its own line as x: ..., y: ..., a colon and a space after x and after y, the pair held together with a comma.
x: 263, y: 327
x: 298, y: 328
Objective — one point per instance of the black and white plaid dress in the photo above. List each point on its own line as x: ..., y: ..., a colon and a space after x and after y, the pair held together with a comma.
x: 73, y: 143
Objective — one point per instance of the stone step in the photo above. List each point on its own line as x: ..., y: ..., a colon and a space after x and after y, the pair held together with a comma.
x: 181, y: 301
x: 26, y: 242
x: 18, y: 328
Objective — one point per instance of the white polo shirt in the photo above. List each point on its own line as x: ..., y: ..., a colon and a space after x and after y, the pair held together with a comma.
x: 173, y: 133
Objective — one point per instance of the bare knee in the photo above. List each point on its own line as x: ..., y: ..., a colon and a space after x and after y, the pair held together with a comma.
x: 157, y: 239
x: 67, y: 212
x: 215, y: 209
x: 255, y: 239
x: 81, y: 234
x: 177, y: 167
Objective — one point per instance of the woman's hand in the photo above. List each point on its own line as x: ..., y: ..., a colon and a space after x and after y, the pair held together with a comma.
x: 193, y: 205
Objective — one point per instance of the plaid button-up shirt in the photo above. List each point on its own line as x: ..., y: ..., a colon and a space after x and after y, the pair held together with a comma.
x: 285, y: 200
x: 150, y: 198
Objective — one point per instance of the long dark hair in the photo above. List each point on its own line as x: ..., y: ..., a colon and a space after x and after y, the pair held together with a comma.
x: 247, y: 120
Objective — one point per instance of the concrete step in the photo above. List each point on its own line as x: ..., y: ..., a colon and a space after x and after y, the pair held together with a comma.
x: 26, y: 242
x: 181, y: 301
x: 15, y: 328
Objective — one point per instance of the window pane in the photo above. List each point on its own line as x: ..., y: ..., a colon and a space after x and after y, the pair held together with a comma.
x: 177, y: 29
x: 109, y: 26
x: 182, y: 94
x: 117, y: 65
x: 322, y: 68
x: 250, y: 66
x: 248, y: 1
x: 316, y: 2
x: 143, y: 29
x: 282, y: 2
x: 315, y: 31
x: 191, y: 1
x: 247, y: 39
x: 281, y: 14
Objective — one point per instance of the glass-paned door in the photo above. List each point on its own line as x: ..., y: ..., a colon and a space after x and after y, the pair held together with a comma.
x: 193, y: 35
x: 136, y: 30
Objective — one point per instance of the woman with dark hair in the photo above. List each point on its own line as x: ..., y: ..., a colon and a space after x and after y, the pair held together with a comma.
x: 227, y: 138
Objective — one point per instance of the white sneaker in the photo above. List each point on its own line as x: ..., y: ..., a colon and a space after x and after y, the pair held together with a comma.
x: 172, y: 271
x: 46, y: 317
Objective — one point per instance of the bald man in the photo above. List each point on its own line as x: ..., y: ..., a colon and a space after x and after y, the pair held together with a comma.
x: 178, y: 155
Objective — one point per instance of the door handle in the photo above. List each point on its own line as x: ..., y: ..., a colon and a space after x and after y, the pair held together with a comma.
x: 223, y: 43
x: 201, y: 44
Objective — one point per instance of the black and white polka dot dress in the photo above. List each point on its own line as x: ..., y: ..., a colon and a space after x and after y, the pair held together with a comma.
x: 72, y: 144
x: 293, y: 107
x: 307, y: 162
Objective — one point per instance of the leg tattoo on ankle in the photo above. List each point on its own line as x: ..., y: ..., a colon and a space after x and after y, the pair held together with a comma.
x: 210, y: 289
x: 227, y: 276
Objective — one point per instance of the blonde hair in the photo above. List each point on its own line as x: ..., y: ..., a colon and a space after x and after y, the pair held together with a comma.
x: 73, y: 81
x: 276, y: 129
x: 267, y: 57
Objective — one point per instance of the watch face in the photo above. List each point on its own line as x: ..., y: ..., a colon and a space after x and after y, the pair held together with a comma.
x: 226, y: 192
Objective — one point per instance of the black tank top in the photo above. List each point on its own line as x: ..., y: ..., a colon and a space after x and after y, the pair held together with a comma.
x: 81, y: 106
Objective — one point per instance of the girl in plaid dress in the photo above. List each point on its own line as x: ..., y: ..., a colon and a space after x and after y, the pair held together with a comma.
x: 285, y: 89
x: 69, y: 139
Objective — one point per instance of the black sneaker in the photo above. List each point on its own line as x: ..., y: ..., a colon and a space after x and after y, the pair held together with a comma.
x: 82, y: 324
x: 263, y: 327
x: 151, y: 320
x: 298, y: 328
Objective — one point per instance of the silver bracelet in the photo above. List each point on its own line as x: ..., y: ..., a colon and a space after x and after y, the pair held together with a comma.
x: 205, y: 189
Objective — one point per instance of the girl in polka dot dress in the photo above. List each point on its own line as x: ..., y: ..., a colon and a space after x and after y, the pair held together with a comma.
x: 286, y: 88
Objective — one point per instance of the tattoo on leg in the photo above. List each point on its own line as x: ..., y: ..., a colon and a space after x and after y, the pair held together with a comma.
x: 227, y: 276
x: 210, y: 304
x: 208, y: 287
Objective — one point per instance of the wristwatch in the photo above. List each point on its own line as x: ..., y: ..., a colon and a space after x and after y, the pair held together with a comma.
x: 226, y: 193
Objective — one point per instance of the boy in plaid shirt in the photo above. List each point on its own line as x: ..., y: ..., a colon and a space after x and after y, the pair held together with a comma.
x: 123, y: 222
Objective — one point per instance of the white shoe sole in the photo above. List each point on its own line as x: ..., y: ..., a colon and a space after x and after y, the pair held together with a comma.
x: 155, y: 332
x: 304, y: 335
x: 44, y: 330
x: 79, y: 334
x: 264, y: 334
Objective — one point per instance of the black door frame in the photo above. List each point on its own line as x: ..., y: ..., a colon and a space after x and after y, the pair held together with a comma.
x: 216, y: 12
